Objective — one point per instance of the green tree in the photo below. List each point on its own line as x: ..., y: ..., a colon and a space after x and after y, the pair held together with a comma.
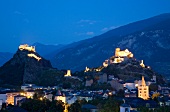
x: 153, y: 87
x: 66, y: 85
x: 120, y: 93
x: 111, y: 105
x: 75, y: 107
x: 143, y: 109
x: 34, y: 105
x: 35, y: 96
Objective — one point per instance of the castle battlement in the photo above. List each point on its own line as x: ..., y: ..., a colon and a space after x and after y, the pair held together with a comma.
x: 123, y: 53
x: 27, y: 47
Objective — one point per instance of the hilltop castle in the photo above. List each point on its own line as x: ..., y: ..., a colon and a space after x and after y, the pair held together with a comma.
x: 125, y: 53
x: 119, y: 56
x: 27, y: 47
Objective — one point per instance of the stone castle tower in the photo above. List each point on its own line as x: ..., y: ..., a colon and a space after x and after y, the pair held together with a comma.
x: 117, y: 50
x: 68, y: 73
x: 143, y: 90
x: 123, y: 53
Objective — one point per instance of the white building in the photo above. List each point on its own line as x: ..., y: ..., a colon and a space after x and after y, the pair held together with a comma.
x: 71, y: 100
x: 3, y: 98
x: 26, y: 87
x: 18, y: 98
x: 124, y: 108
x: 130, y: 84
x: 49, y: 96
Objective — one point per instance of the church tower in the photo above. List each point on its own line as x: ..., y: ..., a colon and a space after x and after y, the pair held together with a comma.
x: 143, y: 90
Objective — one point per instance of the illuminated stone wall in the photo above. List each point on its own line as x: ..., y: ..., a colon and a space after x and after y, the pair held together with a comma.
x: 34, y: 56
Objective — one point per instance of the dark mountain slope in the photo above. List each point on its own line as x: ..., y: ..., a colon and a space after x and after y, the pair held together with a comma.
x: 112, y: 34
x: 140, y: 37
x: 152, y: 45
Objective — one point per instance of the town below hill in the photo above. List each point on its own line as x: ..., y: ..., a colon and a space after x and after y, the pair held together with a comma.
x: 29, y: 83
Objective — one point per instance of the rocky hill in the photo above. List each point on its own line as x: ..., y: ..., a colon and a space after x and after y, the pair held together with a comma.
x: 148, y: 40
x: 132, y: 70
x: 27, y: 66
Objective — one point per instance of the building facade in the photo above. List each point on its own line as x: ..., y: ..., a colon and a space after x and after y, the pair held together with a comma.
x: 143, y: 90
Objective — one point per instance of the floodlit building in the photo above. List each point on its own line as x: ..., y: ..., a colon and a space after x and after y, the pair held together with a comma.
x: 124, y: 53
x: 10, y: 97
x: 120, y: 56
x: 27, y: 47
x: 68, y: 73
x: 143, y: 90
x: 60, y: 96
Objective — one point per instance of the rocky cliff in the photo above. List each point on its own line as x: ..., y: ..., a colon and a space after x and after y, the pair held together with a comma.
x: 26, y: 67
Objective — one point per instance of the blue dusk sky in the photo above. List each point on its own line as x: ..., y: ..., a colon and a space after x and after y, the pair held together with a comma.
x: 67, y: 21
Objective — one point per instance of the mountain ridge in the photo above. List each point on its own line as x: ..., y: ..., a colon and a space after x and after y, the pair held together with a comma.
x: 92, y: 52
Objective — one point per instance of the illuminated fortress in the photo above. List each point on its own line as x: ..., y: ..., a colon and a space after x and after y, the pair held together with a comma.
x: 124, y: 53
x: 119, y: 57
x: 29, y: 48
